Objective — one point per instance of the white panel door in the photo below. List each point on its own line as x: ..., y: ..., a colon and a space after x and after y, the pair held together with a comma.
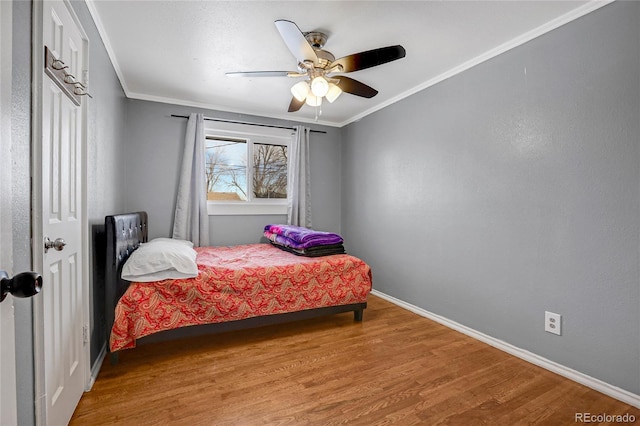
x: 8, y: 414
x: 62, y: 310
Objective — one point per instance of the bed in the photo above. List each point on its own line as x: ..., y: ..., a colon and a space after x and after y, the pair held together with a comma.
x: 246, y: 286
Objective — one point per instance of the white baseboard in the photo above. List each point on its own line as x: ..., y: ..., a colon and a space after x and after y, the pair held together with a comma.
x: 596, y: 384
x: 95, y: 368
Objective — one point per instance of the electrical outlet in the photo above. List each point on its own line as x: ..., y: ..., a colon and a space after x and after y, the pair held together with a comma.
x: 553, y: 323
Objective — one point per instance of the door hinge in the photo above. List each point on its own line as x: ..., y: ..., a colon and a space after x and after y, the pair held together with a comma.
x: 85, y: 333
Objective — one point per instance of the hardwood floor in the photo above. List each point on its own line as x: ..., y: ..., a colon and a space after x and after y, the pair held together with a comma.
x: 395, y: 367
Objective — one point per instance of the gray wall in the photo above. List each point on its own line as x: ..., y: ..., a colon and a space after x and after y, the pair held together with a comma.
x: 105, y: 145
x: 155, y: 142
x: 514, y: 188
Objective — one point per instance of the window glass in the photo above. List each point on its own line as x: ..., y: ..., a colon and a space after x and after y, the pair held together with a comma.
x: 269, y: 171
x: 226, y: 169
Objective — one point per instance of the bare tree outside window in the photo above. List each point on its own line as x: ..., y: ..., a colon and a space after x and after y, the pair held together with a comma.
x: 269, y: 171
x: 227, y: 174
x: 226, y: 169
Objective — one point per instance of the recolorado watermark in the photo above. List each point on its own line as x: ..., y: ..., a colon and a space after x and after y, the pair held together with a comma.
x: 604, y: 418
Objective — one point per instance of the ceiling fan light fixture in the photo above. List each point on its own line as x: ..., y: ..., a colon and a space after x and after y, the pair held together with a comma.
x: 333, y: 92
x: 319, y: 86
x: 313, y: 100
x: 300, y: 90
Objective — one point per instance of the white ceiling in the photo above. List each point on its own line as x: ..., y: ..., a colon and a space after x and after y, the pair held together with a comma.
x: 178, y: 51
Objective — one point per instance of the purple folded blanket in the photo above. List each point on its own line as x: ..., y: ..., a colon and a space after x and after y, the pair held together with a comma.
x: 299, y: 237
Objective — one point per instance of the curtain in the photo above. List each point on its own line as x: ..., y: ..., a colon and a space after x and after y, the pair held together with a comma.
x: 299, y: 190
x: 191, y: 221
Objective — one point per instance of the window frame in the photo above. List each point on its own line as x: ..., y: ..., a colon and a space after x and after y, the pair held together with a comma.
x: 261, y: 135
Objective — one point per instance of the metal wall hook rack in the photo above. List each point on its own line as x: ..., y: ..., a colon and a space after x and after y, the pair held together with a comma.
x: 67, y: 82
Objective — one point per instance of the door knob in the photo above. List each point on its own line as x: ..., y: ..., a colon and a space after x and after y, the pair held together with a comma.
x: 58, y: 244
x: 24, y: 284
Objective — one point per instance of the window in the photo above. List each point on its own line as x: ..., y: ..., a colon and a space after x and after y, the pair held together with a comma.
x: 246, y: 171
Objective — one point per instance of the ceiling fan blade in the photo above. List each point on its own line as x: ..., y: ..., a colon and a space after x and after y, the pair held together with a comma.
x: 295, y: 41
x: 354, y: 87
x: 260, y: 74
x: 370, y: 58
x: 295, y: 104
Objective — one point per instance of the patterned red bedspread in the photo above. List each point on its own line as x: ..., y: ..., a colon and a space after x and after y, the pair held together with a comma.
x: 235, y: 283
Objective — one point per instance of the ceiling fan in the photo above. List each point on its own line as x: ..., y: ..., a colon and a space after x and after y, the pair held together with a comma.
x: 319, y: 66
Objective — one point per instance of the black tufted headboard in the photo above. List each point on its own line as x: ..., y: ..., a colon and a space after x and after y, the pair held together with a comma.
x: 124, y: 232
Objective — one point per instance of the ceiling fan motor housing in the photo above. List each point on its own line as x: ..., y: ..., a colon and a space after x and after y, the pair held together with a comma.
x: 317, y: 40
x: 324, y: 58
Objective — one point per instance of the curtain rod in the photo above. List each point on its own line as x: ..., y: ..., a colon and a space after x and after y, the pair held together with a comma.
x: 247, y: 123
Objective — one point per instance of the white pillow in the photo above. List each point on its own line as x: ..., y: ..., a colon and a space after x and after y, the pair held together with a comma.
x: 168, y: 241
x: 161, y: 259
